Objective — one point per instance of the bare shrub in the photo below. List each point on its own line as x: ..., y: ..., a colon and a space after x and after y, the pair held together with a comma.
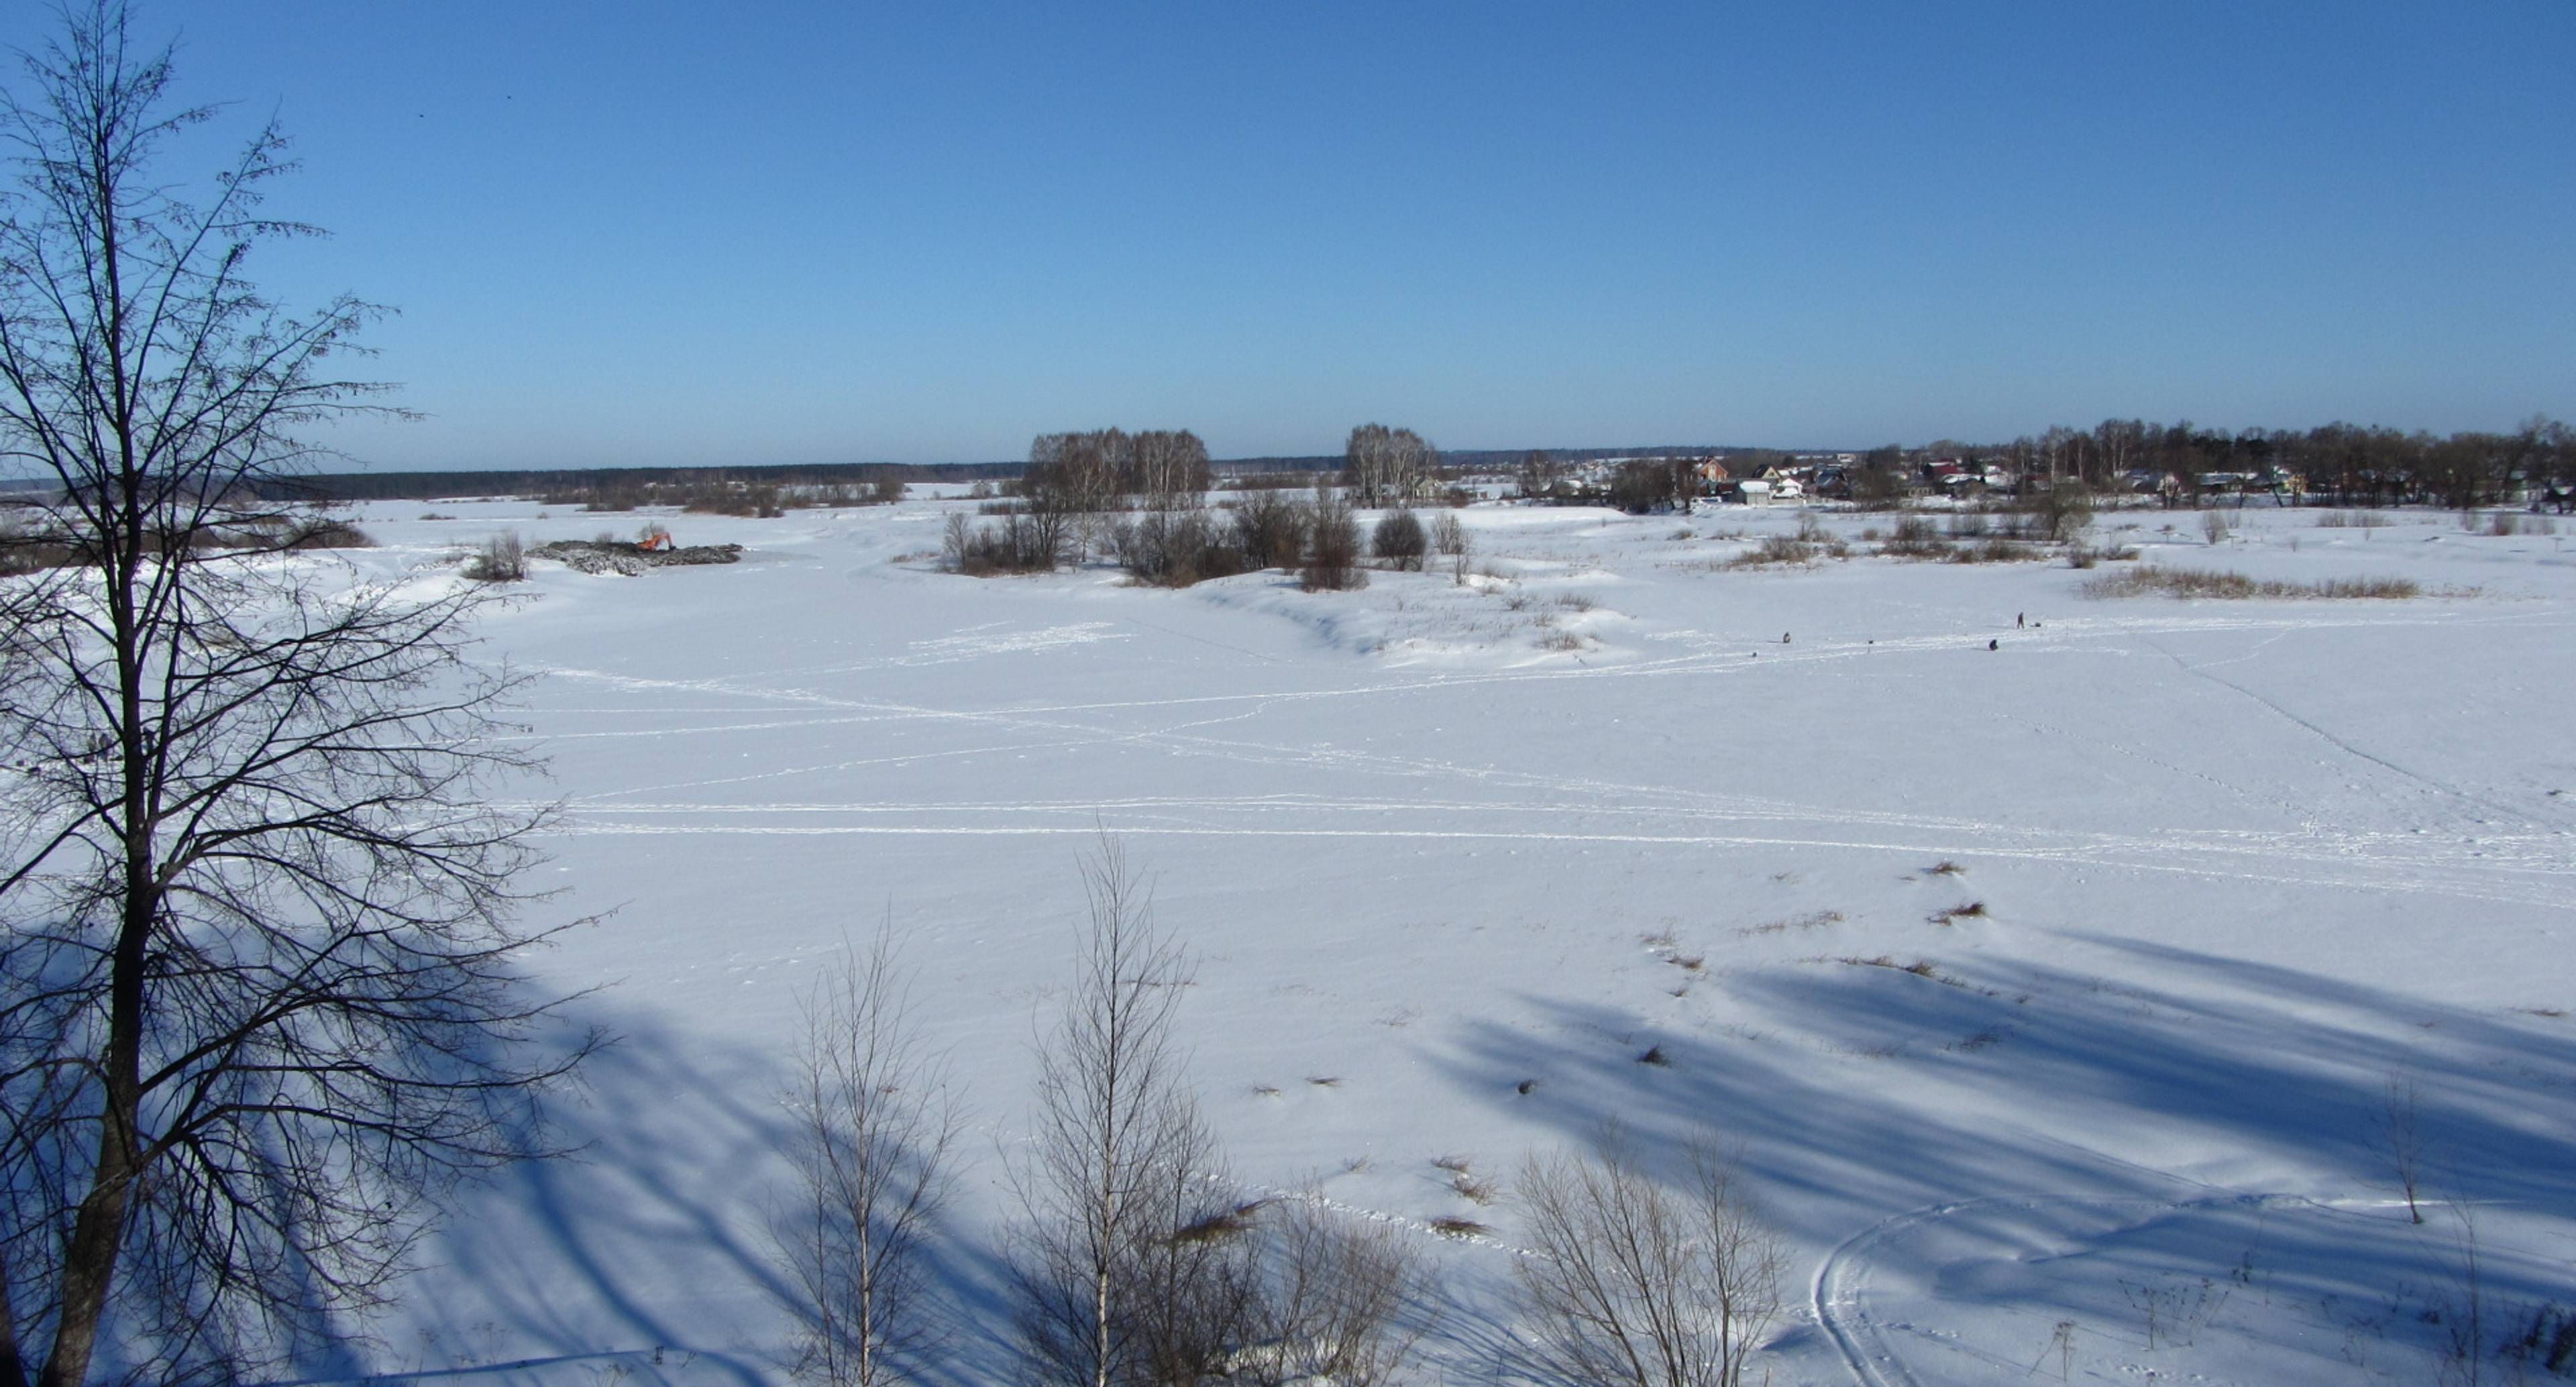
x: 1915, y: 538
x: 1175, y: 548
x: 1449, y: 538
x: 874, y: 1131
x: 1332, y: 546
x: 956, y: 537
x: 2201, y: 582
x: 1636, y: 1284
x: 2352, y: 520
x: 502, y: 559
x: 324, y: 532
x: 2213, y: 523
x: 1775, y: 549
x: 2089, y: 555
x: 1399, y: 539
x: 1993, y: 549
x: 1270, y: 527
x: 1023, y: 543
x: 2401, y: 1131
x: 1341, y: 1301
x: 1448, y: 535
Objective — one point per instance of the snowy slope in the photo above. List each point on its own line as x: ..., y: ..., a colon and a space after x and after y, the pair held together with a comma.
x: 2241, y: 864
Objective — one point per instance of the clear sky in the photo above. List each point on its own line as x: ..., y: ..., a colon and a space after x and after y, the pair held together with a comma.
x: 697, y: 233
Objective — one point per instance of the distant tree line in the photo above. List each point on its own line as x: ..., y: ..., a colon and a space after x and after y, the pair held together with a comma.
x: 576, y: 485
x: 2341, y: 462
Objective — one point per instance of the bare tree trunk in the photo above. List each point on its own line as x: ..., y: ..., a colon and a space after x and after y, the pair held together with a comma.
x: 878, y: 1126
x: 1118, y: 1189
x: 257, y: 1003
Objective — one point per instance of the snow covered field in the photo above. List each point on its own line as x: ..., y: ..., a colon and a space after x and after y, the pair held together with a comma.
x: 2056, y: 992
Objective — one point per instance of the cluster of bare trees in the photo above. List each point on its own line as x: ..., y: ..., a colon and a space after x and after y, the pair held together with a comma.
x: 1140, y: 498
x: 1650, y: 484
x: 1097, y: 470
x: 1074, y: 486
x: 1386, y: 465
x: 259, y: 1001
x: 1135, y: 1258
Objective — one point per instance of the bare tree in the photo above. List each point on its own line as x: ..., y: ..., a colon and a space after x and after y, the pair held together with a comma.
x: 1332, y: 545
x: 1449, y: 537
x: 1059, y: 486
x: 1636, y: 1284
x: 1340, y: 1301
x: 876, y: 1124
x: 1126, y: 1257
x: 259, y: 1001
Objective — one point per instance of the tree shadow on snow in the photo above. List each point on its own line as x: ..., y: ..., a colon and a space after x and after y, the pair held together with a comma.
x: 1861, y: 1092
x: 647, y: 1256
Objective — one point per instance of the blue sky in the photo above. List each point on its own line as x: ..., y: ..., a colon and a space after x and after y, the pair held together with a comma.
x: 673, y: 233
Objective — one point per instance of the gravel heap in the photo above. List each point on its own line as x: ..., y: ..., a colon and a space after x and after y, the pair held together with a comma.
x: 591, y: 556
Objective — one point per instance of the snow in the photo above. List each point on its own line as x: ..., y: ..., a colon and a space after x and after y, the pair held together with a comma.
x: 2243, y: 866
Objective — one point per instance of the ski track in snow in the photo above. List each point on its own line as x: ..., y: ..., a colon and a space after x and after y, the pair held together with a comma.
x: 2532, y: 868
x: 1840, y: 1291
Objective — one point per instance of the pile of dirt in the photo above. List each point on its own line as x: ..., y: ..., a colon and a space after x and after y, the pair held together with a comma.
x: 591, y: 556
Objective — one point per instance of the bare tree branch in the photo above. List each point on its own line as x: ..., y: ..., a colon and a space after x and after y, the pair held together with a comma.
x: 260, y: 998
x: 875, y: 1127
x: 1636, y: 1284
